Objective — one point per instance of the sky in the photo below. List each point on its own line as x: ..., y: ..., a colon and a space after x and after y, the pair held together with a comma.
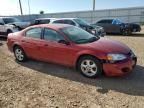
x: 11, y: 7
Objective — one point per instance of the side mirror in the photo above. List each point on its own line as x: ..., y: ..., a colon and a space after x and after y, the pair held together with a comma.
x: 64, y: 42
x: 1, y: 23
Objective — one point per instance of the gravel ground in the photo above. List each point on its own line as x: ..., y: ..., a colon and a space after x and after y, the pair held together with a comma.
x: 35, y: 84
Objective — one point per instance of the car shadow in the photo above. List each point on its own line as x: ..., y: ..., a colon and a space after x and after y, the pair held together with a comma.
x: 1, y: 44
x: 132, y: 35
x: 131, y: 84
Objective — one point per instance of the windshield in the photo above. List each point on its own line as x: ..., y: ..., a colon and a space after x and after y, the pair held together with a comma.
x: 10, y: 20
x: 78, y: 35
x: 81, y: 22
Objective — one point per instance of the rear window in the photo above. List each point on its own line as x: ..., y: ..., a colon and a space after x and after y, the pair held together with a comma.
x: 34, y: 33
x: 47, y: 21
x: 58, y: 21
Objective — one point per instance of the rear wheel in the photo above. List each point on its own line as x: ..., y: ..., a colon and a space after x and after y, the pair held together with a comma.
x: 89, y: 66
x: 19, y: 54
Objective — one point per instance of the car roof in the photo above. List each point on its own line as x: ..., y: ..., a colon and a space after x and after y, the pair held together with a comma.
x: 106, y: 19
x: 7, y: 17
x: 109, y: 19
x: 46, y: 19
x: 68, y: 18
x: 55, y: 18
x: 52, y: 26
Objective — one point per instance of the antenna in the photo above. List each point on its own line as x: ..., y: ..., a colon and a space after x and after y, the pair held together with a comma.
x: 93, y: 5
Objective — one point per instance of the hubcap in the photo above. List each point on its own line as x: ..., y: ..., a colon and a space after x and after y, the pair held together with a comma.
x: 89, y: 67
x: 19, y: 54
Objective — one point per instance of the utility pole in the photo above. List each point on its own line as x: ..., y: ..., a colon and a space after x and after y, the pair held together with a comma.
x: 29, y: 7
x: 93, y: 5
x: 92, y: 12
x: 20, y: 7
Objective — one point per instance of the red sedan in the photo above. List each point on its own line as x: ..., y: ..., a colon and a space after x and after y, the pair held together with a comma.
x: 74, y: 47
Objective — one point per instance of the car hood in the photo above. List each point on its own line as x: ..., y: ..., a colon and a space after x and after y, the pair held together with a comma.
x: 108, y: 46
x: 87, y: 26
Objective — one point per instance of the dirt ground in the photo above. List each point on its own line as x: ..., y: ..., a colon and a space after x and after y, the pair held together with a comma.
x: 36, y: 84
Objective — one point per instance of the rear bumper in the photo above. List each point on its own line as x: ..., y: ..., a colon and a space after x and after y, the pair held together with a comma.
x: 121, y: 68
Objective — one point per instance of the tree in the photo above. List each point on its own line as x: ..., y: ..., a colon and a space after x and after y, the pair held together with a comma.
x: 41, y: 12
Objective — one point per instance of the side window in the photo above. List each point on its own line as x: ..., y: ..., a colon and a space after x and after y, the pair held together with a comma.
x: 34, y: 33
x: 102, y: 21
x: 58, y: 21
x: 99, y: 21
x: 69, y: 22
x: 109, y: 21
x: 1, y: 22
x: 36, y: 22
x: 52, y: 35
x: 44, y: 21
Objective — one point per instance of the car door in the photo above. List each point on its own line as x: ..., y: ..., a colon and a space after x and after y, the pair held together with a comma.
x: 114, y: 26
x: 32, y: 42
x: 54, y: 51
x: 104, y: 24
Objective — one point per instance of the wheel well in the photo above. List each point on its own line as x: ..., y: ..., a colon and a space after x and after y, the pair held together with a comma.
x: 15, y: 46
x: 84, y: 55
x: 9, y: 30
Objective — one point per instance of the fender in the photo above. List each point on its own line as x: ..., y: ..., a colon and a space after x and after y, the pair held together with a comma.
x: 97, y: 54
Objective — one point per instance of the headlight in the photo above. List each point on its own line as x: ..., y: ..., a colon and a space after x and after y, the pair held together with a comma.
x: 116, y: 57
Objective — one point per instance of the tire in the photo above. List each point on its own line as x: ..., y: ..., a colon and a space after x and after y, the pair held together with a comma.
x: 19, y: 54
x: 126, y: 32
x: 89, y: 66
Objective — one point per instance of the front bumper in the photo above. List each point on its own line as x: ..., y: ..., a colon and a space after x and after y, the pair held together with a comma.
x: 15, y: 30
x: 120, y: 68
x: 99, y: 32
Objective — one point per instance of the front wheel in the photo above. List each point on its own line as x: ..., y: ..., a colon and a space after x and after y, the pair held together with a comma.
x: 126, y: 32
x: 19, y: 54
x: 89, y: 66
